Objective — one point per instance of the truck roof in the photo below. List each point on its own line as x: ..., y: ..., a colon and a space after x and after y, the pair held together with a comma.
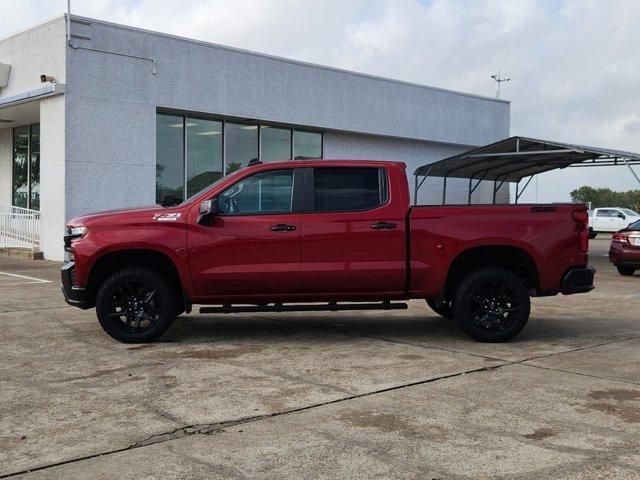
x: 333, y: 162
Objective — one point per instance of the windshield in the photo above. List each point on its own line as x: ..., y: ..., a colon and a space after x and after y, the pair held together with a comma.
x: 630, y: 212
x: 232, y: 174
x: 634, y: 226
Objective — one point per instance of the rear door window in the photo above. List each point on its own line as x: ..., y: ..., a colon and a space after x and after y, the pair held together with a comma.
x: 345, y: 189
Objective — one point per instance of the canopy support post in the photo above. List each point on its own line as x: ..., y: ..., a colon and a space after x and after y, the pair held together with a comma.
x: 471, y: 190
x: 498, y: 187
x: 418, y: 185
x: 518, y: 195
x: 444, y: 191
x: 631, y: 170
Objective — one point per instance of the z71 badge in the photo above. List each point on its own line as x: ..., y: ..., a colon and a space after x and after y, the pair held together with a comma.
x: 166, y: 217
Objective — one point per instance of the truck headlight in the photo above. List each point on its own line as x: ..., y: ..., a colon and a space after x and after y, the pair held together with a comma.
x: 79, y: 231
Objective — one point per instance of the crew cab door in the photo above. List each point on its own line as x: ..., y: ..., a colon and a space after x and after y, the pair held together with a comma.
x: 619, y: 220
x: 353, y: 232
x: 607, y: 220
x: 252, y: 246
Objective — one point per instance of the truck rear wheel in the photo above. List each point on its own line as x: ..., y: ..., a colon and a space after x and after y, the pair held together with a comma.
x: 136, y: 305
x: 491, y: 305
x: 441, y: 307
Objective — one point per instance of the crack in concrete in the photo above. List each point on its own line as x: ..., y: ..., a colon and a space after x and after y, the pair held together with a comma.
x: 212, y: 428
x: 511, y: 362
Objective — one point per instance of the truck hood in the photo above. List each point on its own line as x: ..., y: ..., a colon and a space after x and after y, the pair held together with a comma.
x: 150, y: 212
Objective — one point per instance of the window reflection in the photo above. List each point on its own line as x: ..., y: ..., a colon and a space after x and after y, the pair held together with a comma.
x: 21, y: 167
x: 197, y: 152
x: 307, y: 145
x: 241, y: 145
x: 262, y: 193
x: 34, y: 168
x: 169, y: 159
x: 204, y: 154
x: 275, y: 144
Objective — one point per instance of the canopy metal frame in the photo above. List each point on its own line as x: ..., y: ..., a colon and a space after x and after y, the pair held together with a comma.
x: 516, y: 158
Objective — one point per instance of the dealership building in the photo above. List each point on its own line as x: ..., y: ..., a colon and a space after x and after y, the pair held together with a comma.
x: 126, y: 117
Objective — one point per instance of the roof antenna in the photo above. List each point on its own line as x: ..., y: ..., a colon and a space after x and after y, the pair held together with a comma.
x: 499, y: 79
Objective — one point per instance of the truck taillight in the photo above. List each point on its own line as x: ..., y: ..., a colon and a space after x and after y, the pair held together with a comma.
x: 581, y: 218
x: 620, y: 237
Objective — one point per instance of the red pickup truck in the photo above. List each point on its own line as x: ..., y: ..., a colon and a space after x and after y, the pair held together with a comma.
x: 322, y: 235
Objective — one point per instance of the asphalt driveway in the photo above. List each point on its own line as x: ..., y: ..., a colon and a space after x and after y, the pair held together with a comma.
x: 400, y: 394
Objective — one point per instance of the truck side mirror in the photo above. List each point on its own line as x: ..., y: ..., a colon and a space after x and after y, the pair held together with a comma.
x: 208, y: 208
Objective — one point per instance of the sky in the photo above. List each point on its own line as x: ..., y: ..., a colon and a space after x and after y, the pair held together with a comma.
x: 574, y: 65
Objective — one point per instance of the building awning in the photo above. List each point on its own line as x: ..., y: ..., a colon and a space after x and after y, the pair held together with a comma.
x: 24, y: 108
x: 515, y: 158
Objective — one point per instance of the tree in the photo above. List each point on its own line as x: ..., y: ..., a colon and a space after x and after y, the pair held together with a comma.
x: 605, y: 197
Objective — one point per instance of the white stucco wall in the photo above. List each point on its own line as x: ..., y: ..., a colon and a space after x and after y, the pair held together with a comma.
x: 5, y: 166
x: 39, y: 50
x: 53, y: 181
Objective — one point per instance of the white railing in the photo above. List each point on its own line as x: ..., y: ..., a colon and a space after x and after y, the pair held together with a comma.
x: 19, y: 227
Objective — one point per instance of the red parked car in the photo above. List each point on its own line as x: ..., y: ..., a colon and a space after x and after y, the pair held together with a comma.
x: 624, y: 252
x: 285, y: 236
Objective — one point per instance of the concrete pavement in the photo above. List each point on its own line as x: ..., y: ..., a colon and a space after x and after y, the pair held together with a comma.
x: 401, y: 394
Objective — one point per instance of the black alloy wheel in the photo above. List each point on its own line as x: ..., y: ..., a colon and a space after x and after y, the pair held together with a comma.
x: 136, y: 305
x: 491, y: 305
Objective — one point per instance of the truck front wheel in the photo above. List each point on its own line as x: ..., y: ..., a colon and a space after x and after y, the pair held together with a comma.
x: 491, y: 305
x: 136, y: 305
x: 441, y: 307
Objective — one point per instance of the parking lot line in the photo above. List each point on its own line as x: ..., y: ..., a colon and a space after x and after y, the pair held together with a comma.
x: 32, y: 279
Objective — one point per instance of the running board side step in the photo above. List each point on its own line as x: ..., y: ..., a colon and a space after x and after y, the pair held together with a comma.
x: 327, y: 307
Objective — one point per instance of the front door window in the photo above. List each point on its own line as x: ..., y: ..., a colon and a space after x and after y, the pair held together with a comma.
x: 26, y: 167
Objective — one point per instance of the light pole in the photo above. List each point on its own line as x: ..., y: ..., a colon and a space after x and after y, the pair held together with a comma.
x: 499, y: 79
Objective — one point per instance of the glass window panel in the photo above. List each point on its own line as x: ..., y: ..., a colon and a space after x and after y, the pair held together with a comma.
x: 169, y: 158
x: 34, y: 172
x: 241, y: 145
x: 20, y: 189
x: 275, y: 144
x: 347, y: 189
x: 307, y: 145
x: 262, y: 193
x: 204, y: 153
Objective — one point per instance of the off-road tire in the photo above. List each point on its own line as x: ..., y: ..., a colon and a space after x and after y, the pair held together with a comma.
x: 491, y: 305
x: 163, y: 305
x: 440, y: 307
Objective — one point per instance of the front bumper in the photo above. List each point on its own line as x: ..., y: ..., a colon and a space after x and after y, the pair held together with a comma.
x: 578, y: 280
x: 73, y: 295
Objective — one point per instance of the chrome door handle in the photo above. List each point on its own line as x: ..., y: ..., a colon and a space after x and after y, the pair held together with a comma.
x: 383, y: 226
x: 282, y: 227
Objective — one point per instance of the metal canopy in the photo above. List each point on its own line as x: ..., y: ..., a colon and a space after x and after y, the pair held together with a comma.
x: 515, y: 158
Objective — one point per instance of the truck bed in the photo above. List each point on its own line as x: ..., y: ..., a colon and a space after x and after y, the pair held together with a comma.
x: 546, y: 233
